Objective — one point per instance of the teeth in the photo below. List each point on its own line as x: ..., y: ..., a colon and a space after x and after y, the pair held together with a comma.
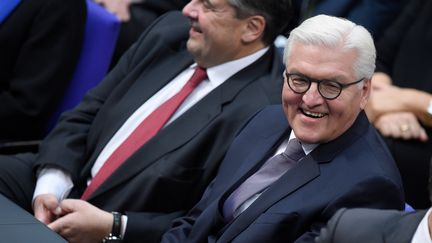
x: 313, y: 114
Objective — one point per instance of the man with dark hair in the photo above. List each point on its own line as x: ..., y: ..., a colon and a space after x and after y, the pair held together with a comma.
x: 146, y: 141
x: 292, y: 166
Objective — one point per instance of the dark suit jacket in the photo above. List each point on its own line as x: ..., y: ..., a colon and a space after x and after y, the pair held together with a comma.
x: 374, y: 15
x: 371, y: 225
x: 351, y: 171
x: 168, y: 174
x: 40, y: 43
x: 403, y: 53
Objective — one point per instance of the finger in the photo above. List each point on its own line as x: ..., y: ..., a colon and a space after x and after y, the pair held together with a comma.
x: 123, y: 11
x: 123, y: 15
x: 406, y: 131
x: 43, y: 215
x: 62, y: 227
x: 44, y: 206
x: 72, y: 205
x: 394, y: 130
x: 57, y: 225
x: 423, y: 135
x: 68, y: 206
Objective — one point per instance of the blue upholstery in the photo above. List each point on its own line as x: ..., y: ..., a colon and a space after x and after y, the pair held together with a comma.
x: 6, y: 7
x: 408, y: 208
x: 99, y: 41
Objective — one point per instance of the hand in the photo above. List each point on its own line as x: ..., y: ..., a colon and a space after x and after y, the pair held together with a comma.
x: 384, y: 98
x: 79, y: 221
x: 402, y: 125
x: 119, y: 8
x: 45, y: 208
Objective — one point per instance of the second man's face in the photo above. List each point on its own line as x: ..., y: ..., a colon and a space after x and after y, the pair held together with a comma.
x: 313, y: 118
x: 215, y: 33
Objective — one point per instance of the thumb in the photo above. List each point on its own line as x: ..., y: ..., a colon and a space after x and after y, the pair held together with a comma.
x: 70, y: 205
x: 44, y: 206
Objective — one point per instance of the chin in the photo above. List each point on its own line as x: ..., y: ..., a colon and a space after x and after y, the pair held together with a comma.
x: 308, y: 137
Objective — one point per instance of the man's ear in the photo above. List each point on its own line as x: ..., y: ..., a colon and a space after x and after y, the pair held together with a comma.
x: 254, y: 28
x: 366, y: 90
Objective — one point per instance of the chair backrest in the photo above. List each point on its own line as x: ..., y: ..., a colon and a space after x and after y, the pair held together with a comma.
x: 100, y: 36
x: 408, y: 208
x: 6, y: 8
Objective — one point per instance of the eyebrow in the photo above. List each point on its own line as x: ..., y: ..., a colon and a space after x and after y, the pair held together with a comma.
x: 335, y: 78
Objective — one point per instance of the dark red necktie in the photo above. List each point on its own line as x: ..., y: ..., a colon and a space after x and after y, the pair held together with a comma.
x: 144, y: 132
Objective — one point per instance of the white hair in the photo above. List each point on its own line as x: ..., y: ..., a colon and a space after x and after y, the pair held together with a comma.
x: 334, y: 32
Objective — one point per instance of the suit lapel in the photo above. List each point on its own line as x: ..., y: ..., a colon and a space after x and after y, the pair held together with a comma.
x: 182, y: 129
x: 305, y: 171
x: 259, y: 153
x: 146, y: 85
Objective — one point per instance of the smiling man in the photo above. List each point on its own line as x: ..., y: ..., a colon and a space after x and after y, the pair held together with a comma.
x: 142, y: 146
x: 293, y: 165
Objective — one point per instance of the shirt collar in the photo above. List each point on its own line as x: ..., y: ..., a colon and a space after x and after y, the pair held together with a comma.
x: 220, y: 73
x: 307, y: 147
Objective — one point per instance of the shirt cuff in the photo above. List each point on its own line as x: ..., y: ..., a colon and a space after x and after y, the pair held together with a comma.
x: 53, y: 181
x: 124, y: 219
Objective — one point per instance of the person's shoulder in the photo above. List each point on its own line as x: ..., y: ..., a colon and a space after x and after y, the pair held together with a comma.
x: 170, y: 28
x: 172, y: 19
x: 270, y: 118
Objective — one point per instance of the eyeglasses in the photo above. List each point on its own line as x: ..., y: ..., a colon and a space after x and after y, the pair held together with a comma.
x: 328, y: 89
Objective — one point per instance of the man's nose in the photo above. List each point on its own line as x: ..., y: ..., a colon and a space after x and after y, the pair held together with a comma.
x: 312, y: 96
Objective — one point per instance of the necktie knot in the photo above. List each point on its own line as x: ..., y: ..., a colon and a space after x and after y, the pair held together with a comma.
x: 294, y: 150
x: 198, y: 76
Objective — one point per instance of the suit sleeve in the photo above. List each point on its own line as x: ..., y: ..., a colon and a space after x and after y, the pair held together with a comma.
x: 181, y: 227
x: 327, y: 233
x: 387, y: 47
x: 375, y: 15
x: 43, y: 66
x: 374, y: 192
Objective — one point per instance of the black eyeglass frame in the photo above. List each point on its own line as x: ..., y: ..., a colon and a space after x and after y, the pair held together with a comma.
x: 310, y: 80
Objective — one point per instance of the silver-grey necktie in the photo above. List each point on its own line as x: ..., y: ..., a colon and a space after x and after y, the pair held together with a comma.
x: 271, y: 170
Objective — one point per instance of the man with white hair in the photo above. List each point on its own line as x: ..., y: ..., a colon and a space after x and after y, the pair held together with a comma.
x: 293, y: 165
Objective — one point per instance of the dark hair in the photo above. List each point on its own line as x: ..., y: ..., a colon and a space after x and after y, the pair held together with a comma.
x: 277, y: 14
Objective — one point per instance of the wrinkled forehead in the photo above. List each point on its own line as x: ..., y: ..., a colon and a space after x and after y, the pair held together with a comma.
x: 320, y: 61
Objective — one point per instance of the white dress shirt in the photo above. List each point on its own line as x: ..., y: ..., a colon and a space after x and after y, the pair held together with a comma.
x: 422, y: 234
x: 59, y: 183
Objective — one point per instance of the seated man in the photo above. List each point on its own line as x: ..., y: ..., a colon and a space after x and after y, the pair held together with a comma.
x: 145, y: 142
x: 339, y: 160
x: 379, y: 226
